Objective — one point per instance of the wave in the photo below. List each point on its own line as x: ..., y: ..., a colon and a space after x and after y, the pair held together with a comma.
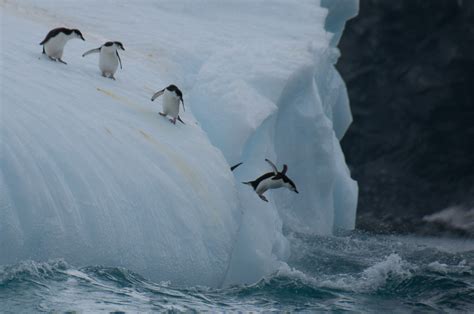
x: 352, y: 273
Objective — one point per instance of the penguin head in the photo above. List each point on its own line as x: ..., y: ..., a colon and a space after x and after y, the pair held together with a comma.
x: 174, y: 89
x: 77, y: 33
x: 114, y: 45
x: 289, y: 184
x: 119, y: 45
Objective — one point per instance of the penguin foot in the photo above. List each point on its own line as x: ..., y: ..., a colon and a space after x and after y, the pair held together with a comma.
x: 263, y: 198
x: 173, y: 120
x: 162, y: 114
x: 103, y: 74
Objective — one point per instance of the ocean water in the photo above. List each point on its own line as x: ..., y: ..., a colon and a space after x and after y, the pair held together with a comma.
x: 352, y: 271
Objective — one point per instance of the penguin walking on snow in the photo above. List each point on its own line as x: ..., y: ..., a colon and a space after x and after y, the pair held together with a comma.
x: 54, y: 42
x: 109, y: 59
x: 172, y: 97
x: 272, y: 180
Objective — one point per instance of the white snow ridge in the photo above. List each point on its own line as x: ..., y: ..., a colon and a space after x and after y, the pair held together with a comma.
x: 91, y: 173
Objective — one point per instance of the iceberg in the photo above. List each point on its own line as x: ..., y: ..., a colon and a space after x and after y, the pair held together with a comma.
x: 91, y: 173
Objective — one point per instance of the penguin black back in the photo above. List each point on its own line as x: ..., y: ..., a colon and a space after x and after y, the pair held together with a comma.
x: 257, y: 181
x: 54, y: 32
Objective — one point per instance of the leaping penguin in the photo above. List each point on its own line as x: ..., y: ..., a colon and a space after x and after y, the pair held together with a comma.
x: 172, y: 96
x: 54, y: 42
x: 272, y: 180
x: 109, y: 59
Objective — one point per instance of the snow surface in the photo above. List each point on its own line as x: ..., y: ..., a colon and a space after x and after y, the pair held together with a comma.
x: 91, y: 173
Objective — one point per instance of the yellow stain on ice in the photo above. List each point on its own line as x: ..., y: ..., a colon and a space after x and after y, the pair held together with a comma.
x: 191, y: 174
x: 175, y: 158
x: 187, y: 171
x: 123, y: 100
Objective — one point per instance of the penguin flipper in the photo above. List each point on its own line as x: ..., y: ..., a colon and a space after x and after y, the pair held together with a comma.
x: 184, y: 109
x: 91, y: 51
x: 120, y: 61
x: 43, y: 50
x: 235, y: 166
x: 275, y: 170
x: 157, y: 94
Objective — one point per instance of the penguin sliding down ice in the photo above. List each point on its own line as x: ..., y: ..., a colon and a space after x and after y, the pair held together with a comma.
x: 272, y: 180
x: 109, y: 59
x: 172, y: 96
x: 54, y: 42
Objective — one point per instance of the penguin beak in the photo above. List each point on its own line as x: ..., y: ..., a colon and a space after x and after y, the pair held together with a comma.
x: 121, y: 47
x: 82, y: 38
x: 296, y: 191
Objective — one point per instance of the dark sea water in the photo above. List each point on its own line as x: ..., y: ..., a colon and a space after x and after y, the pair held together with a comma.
x: 353, y: 272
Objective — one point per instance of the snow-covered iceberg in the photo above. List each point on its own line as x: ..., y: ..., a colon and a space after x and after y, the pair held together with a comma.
x: 91, y: 173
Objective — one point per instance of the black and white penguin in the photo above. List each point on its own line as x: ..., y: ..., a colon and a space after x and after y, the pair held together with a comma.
x: 172, y: 96
x: 54, y: 42
x: 272, y: 180
x: 109, y: 59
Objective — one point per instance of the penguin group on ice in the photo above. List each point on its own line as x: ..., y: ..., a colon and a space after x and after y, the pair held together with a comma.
x: 109, y: 60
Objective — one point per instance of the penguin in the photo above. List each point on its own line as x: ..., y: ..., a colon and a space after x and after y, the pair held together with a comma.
x: 54, y: 42
x: 272, y: 180
x: 172, y: 96
x: 109, y: 59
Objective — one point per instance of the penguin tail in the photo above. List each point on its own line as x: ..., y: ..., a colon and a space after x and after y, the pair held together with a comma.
x: 235, y: 166
x: 179, y: 119
x: 251, y: 183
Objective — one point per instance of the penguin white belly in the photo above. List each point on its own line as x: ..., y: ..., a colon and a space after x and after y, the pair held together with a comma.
x: 268, y: 184
x: 170, y: 104
x: 108, y: 62
x: 55, y: 46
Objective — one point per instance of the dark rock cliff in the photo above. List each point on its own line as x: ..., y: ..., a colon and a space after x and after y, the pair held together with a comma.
x: 409, y: 69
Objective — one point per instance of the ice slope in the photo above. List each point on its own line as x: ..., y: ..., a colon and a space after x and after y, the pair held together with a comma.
x: 91, y: 173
